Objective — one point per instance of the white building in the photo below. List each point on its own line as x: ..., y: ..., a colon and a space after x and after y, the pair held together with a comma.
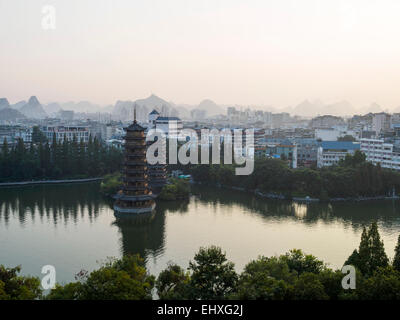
x: 333, y: 134
x: 153, y: 117
x: 81, y: 133
x: 377, y: 151
x: 381, y: 122
x: 331, y: 152
x: 171, y: 126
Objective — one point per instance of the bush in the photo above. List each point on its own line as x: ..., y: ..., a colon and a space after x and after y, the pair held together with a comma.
x: 175, y: 189
x: 111, y: 184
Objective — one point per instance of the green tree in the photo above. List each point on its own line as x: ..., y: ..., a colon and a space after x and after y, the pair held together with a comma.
x: 38, y: 136
x: 5, y: 165
x: 396, y: 259
x: 371, y: 253
x: 265, y: 279
x: 347, y: 138
x: 300, y: 262
x: 124, y: 279
x: 213, y: 276
x: 384, y: 284
x: 309, y: 287
x: 69, y: 291
x: 173, y: 283
x: 15, y: 287
x: 378, y: 255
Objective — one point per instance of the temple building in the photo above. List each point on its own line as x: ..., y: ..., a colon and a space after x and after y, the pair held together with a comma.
x: 136, y: 196
x: 157, y: 176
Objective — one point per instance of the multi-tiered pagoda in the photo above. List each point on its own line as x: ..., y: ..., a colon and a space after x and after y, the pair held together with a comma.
x: 136, y: 196
x: 157, y: 175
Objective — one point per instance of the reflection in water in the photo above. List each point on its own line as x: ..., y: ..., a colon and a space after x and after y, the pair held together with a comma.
x: 72, y: 226
x: 61, y: 203
x: 354, y: 214
x: 66, y: 204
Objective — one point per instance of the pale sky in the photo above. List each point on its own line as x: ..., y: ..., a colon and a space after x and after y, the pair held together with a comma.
x: 276, y: 52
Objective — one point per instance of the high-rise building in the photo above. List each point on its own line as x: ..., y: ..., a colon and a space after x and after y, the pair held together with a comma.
x: 381, y: 122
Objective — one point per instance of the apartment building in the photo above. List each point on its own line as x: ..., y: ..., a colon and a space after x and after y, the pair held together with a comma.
x: 81, y: 132
x: 331, y: 152
x: 377, y: 151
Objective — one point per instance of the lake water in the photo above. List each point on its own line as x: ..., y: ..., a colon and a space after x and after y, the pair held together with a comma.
x: 72, y: 227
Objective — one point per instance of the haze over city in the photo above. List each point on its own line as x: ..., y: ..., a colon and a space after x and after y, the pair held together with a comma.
x: 257, y: 53
x: 200, y: 153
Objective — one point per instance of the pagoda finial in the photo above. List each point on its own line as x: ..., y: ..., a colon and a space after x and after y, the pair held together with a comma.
x: 134, y: 113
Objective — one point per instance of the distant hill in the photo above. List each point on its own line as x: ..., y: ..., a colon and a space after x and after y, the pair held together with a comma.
x: 340, y: 108
x: 372, y: 108
x: 52, y: 108
x: 81, y: 106
x: 123, y: 110
x: 33, y: 109
x: 317, y: 107
x: 152, y: 102
x: 18, y: 105
x: 4, y: 104
x: 9, y: 114
x: 211, y: 108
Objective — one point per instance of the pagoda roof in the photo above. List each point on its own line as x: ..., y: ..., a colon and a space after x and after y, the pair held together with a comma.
x: 135, y: 127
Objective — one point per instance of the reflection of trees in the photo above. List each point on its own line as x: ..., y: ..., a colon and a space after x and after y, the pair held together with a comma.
x: 179, y: 206
x: 353, y: 214
x: 143, y: 233
x: 60, y: 203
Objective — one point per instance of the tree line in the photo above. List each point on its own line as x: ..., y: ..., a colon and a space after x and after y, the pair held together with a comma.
x: 57, y: 159
x: 211, y: 276
x: 351, y: 178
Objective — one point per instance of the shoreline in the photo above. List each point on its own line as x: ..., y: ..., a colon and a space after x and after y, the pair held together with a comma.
x: 38, y: 182
x: 275, y: 196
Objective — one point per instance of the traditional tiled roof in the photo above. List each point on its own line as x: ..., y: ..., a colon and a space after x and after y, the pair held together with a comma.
x: 135, y: 127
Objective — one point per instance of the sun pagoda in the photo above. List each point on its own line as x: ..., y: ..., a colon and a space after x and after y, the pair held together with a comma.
x: 136, y: 196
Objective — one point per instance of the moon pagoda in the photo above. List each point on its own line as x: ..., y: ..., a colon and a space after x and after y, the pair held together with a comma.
x: 136, y: 196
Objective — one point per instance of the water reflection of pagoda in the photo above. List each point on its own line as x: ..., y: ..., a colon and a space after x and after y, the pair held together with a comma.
x: 136, y: 196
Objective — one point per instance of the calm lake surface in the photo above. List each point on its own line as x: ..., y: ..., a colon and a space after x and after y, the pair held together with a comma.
x: 72, y: 227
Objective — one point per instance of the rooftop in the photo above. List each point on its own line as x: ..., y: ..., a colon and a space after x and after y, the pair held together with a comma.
x: 135, y: 127
x: 168, y: 119
x: 340, y: 145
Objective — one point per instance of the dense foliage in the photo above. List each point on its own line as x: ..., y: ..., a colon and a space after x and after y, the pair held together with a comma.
x: 111, y: 184
x: 354, y: 177
x: 175, y: 189
x: 15, y: 287
x: 371, y: 253
x: 124, y: 279
x: 57, y: 160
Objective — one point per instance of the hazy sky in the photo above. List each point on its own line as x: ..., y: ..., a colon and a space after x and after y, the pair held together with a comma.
x: 234, y: 52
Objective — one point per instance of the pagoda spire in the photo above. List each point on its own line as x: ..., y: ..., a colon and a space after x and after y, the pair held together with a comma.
x: 134, y: 112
